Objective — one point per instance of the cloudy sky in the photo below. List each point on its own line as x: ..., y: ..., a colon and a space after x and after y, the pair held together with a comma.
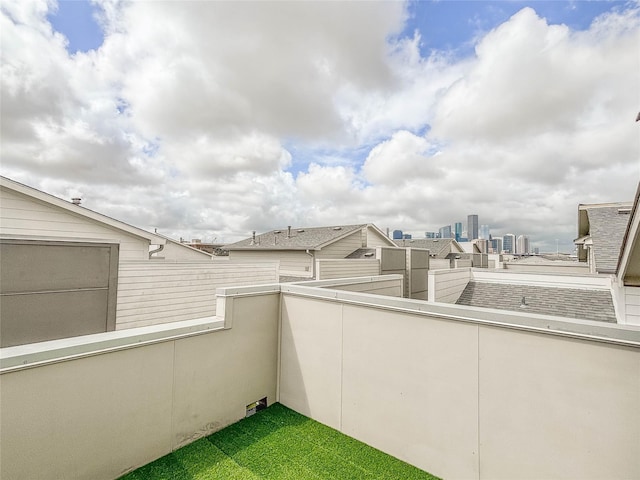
x: 211, y: 119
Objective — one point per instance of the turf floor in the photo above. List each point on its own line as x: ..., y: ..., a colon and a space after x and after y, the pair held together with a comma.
x: 277, y: 444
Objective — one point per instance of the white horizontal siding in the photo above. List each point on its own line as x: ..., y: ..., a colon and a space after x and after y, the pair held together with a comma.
x: 22, y: 216
x: 176, y: 251
x: 374, y: 239
x: 632, y: 305
x: 150, y: 293
x: 346, y: 268
x: 439, y: 263
x: 292, y: 262
x: 447, y: 285
x: 341, y: 248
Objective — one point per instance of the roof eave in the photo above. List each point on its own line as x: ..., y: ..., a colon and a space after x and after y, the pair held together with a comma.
x: 79, y: 210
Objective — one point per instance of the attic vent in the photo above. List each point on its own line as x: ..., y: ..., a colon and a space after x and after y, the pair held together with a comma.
x: 277, y: 231
x: 337, y: 228
x: 301, y: 230
x: 76, y: 200
x: 624, y: 210
x: 368, y: 254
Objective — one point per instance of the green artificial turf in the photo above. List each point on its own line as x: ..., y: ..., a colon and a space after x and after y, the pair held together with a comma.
x: 277, y: 444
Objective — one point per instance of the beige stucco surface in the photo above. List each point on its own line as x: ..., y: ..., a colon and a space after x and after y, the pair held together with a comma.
x: 397, y: 391
x: 554, y: 407
x: 311, y: 358
x: 463, y: 399
x: 100, y: 416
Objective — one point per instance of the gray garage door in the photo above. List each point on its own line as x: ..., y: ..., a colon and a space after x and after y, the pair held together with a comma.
x: 51, y: 290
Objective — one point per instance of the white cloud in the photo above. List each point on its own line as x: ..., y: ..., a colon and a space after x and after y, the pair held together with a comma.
x: 181, y: 122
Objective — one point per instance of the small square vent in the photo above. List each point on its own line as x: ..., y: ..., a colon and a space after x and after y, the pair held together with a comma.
x: 256, y: 406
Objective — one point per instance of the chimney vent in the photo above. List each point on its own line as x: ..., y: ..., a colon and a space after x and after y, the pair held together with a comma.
x: 76, y: 200
x: 253, y: 238
x: 289, y: 231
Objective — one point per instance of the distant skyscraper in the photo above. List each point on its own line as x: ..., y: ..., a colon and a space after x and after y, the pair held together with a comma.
x: 458, y: 231
x: 484, y: 232
x: 445, y: 232
x: 397, y: 234
x: 430, y: 235
x: 406, y: 236
x: 496, y: 244
x: 522, y: 245
x: 472, y: 227
x: 509, y: 243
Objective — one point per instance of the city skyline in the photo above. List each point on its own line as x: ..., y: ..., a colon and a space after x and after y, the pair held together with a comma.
x: 214, y: 119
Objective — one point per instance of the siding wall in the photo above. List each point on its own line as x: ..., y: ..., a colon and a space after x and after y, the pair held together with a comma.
x: 341, y: 248
x: 22, y: 216
x: 417, y: 273
x: 346, y: 268
x: 632, y: 305
x: 439, y: 263
x: 150, y: 293
x: 292, y: 262
x: 447, y: 285
x: 374, y: 239
x: 173, y: 251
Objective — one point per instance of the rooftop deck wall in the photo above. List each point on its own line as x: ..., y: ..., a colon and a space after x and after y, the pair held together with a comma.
x: 457, y: 391
x: 98, y: 406
x: 463, y: 393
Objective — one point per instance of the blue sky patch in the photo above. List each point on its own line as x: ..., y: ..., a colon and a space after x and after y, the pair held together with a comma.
x: 75, y: 19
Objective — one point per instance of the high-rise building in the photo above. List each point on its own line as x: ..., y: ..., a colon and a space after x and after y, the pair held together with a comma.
x: 430, y: 235
x: 484, y: 232
x: 397, y: 234
x: 496, y: 244
x: 445, y: 232
x: 458, y: 231
x: 406, y: 236
x: 509, y: 243
x: 472, y: 227
x: 522, y: 245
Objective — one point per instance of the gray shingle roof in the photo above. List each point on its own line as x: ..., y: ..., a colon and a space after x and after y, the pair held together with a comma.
x: 564, y: 302
x: 438, y: 247
x: 607, y: 227
x: 300, y: 239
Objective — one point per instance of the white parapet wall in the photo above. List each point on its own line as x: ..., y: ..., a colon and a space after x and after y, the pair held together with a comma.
x: 457, y: 391
x: 465, y: 393
x: 389, y: 285
x: 98, y: 406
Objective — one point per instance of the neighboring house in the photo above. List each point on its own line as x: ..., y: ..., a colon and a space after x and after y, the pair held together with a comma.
x: 627, y: 285
x: 584, y: 304
x: 60, y: 265
x: 601, y: 229
x: 608, y: 242
x: 297, y: 249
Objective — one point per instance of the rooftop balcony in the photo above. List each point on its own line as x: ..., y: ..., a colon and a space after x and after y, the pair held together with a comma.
x: 457, y: 391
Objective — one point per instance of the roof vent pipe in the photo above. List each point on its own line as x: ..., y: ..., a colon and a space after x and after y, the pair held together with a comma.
x: 76, y: 200
x: 253, y: 238
x: 289, y: 231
